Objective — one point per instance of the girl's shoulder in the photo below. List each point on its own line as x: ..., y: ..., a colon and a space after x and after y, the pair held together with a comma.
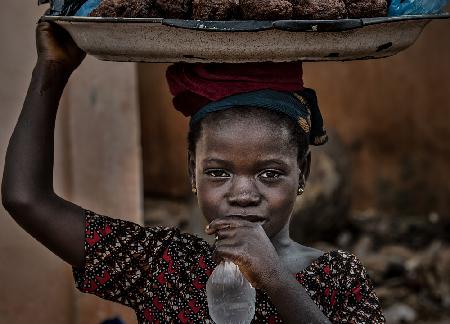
x: 336, y: 262
x: 303, y: 259
x: 338, y: 281
x: 338, y: 270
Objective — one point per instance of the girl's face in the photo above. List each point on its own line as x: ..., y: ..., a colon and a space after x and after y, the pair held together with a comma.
x: 249, y: 168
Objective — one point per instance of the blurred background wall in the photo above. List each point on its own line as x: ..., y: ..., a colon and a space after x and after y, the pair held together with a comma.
x: 97, y: 166
x: 392, y: 113
x: 34, y: 284
x: 120, y: 151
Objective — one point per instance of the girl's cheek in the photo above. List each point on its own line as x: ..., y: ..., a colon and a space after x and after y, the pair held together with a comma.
x: 208, y: 206
x: 283, y: 206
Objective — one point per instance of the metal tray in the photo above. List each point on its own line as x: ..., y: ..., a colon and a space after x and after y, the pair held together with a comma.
x: 173, y: 40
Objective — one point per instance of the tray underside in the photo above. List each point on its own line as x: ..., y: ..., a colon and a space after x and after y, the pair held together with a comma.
x: 169, y: 40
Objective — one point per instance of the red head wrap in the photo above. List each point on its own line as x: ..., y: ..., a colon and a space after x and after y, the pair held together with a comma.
x: 196, y: 85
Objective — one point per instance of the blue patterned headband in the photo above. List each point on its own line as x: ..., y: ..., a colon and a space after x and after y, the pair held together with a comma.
x: 301, y: 107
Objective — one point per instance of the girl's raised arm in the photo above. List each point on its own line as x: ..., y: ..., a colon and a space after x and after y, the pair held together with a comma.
x: 27, y: 186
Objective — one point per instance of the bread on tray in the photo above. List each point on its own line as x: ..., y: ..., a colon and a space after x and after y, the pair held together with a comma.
x: 242, y: 9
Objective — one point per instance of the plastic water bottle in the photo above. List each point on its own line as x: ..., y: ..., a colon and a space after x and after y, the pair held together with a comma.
x: 231, y: 298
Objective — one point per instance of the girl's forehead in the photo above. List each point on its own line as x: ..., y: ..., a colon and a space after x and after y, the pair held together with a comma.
x: 236, y: 141
x: 252, y: 125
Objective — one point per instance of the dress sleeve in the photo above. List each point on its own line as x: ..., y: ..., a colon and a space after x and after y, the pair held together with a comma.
x: 119, y: 256
x: 359, y: 302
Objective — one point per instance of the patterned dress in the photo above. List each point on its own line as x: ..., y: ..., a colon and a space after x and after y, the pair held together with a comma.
x: 162, y: 273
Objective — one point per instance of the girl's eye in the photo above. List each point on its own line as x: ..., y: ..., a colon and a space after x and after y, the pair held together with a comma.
x: 217, y: 173
x: 271, y: 174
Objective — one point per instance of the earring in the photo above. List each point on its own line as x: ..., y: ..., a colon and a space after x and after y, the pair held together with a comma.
x: 300, y: 191
x: 194, y: 190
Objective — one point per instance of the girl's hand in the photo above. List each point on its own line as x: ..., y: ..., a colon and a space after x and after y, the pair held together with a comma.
x: 246, y: 244
x: 55, y: 45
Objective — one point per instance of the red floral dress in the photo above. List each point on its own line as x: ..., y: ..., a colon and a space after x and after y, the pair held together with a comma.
x: 162, y: 273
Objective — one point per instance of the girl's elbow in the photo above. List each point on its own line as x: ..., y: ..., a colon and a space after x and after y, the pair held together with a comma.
x: 15, y: 203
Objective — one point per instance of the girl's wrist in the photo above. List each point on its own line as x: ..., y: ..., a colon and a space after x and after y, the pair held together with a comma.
x: 51, y: 74
x: 55, y: 68
x: 278, y: 278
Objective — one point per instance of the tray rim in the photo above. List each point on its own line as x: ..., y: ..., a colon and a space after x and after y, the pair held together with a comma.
x: 252, y: 25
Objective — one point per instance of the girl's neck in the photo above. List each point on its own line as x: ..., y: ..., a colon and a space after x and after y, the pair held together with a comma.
x: 281, y: 241
x: 295, y: 257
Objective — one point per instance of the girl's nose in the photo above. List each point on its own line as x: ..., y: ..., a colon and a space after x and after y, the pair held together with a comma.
x: 244, y: 193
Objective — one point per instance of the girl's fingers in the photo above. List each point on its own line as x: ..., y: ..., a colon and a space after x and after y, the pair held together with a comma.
x: 225, y: 233
x: 43, y: 26
x: 226, y: 223
x: 54, y: 44
x: 224, y: 251
x: 212, y: 228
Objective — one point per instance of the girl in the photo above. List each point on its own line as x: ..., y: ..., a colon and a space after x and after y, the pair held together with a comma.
x: 248, y: 162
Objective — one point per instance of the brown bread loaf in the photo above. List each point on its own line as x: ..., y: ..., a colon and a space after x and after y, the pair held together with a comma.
x: 266, y: 10
x: 319, y: 9
x: 181, y: 9
x: 125, y: 8
x: 366, y: 8
x: 215, y: 9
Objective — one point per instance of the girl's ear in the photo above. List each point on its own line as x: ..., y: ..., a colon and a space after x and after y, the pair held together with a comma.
x: 305, y: 166
x: 191, y: 169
